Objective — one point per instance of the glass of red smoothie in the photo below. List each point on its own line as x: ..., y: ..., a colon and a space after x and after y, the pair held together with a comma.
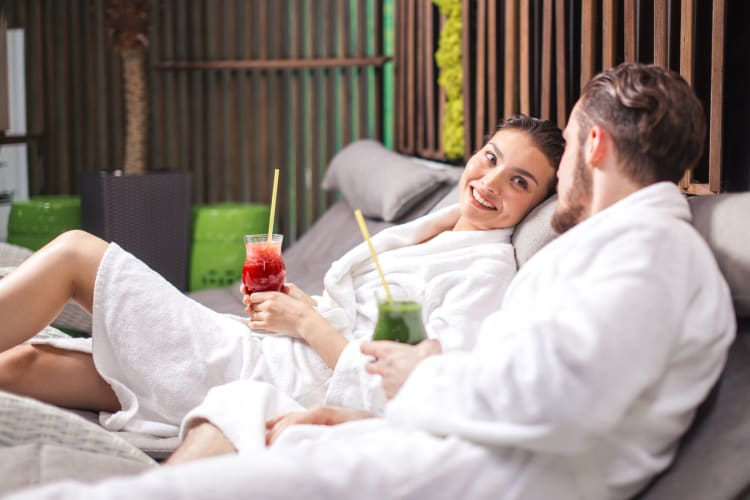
x: 264, y: 268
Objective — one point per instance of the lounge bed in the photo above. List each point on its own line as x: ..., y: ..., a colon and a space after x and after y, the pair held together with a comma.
x: 40, y: 443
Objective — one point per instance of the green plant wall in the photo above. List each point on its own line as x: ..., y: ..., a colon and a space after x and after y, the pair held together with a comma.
x: 448, y: 60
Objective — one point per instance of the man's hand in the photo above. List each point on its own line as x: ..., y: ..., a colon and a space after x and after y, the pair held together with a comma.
x: 394, y: 362
x: 319, y: 415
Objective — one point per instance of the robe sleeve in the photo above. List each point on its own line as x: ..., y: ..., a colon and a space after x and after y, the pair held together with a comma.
x: 454, y: 303
x: 458, y: 301
x: 569, y: 371
x: 351, y: 386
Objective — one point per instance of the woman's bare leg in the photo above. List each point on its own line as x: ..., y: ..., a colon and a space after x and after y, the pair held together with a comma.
x: 35, y: 293
x: 56, y: 376
x: 30, y: 298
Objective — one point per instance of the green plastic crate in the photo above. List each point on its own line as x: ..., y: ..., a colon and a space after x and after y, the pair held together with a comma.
x: 218, y: 250
x: 33, y: 223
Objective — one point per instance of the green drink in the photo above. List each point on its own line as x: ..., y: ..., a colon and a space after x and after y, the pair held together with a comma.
x: 400, y: 321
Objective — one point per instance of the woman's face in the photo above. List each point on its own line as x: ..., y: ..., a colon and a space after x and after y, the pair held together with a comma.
x: 503, y: 181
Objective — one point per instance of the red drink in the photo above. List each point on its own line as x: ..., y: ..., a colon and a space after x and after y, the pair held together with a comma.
x: 264, y: 268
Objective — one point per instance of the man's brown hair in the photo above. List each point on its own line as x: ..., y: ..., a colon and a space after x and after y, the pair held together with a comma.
x: 653, y: 116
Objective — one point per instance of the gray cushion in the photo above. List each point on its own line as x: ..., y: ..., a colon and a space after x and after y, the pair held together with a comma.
x: 381, y: 183
x: 723, y: 222
x: 534, y: 231
x: 36, y: 464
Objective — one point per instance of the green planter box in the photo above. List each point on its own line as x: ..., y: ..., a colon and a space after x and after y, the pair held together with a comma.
x: 218, y: 251
x: 33, y: 223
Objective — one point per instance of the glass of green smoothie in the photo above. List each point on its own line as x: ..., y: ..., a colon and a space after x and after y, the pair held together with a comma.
x: 399, y: 320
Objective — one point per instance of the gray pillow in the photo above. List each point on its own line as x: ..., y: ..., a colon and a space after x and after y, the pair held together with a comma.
x: 722, y: 221
x: 534, y: 231
x: 381, y: 183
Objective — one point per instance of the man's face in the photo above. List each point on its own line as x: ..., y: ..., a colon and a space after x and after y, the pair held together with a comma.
x: 574, y: 186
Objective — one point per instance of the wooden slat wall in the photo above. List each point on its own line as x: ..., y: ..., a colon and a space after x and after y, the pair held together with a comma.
x: 577, y: 39
x: 236, y: 87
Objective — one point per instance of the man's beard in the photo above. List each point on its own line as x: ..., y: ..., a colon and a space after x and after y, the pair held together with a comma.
x: 574, y: 208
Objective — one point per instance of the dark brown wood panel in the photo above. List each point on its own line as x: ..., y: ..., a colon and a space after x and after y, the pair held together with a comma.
x: 718, y: 21
x: 236, y: 88
x: 660, y: 32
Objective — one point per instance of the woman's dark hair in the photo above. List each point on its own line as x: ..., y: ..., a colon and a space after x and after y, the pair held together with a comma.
x: 544, y: 134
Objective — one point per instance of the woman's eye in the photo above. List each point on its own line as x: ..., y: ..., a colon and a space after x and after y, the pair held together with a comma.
x: 491, y: 157
x: 520, y: 181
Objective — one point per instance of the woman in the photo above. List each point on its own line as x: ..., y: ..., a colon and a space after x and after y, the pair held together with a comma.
x: 457, y: 262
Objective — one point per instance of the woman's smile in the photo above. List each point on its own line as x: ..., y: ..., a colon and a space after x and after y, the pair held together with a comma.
x: 481, y: 200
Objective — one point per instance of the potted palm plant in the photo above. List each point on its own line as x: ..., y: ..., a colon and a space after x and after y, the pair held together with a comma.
x: 145, y: 210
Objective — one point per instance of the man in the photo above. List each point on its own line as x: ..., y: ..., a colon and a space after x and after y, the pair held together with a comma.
x: 580, y: 386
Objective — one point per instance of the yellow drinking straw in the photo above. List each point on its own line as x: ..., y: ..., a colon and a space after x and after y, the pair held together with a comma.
x: 366, y: 236
x: 273, y: 202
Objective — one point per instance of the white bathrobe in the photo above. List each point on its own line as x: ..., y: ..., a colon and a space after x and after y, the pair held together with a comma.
x: 579, y: 387
x: 162, y: 352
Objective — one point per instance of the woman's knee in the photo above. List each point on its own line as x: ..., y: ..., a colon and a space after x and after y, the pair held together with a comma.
x: 16, y: 364
x: 81, y: 252
x: 76, y: 240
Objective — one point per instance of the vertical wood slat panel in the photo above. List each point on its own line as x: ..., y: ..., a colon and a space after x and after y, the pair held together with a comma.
x: 546, y: 87
x: 155, y: 126
x: 77, y: 108
x: 480, y: 77
x: 687, y: 57
x: 262, y: 103
x: 197, y: 121
x: 100, y: 86
x: 400, y: 80
x: 297, y: 122
x: 609, y: 33
x: 660, y: 32
x: 421, y: 83
x: 308, y: 97
x: 316, y: 149
x: 35, y: 86
x: 560, y: 61
x: 718, y: 21
x: 410, y: 77
x: 492, y: 76
x: 588, y: 39
x: 429, y: 49
x: 525, y: 57
x: 630, y: 30
x: 281, y: 149
x: 378, y: 72
x: 511, y: 60
x: 466, y: 43
x: 228, y: 95
x: 344, y: 88
x: 331, y: 84
x: 62, y: 95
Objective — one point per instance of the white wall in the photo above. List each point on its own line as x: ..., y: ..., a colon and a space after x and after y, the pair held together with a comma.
x: 14, y: 180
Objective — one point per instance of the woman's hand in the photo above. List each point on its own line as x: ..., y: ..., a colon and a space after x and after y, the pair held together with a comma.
x: 292, y: 312
x: 297, y: 293
x: 278, y: 312
x: 319, y: 415
x: 394, y: 362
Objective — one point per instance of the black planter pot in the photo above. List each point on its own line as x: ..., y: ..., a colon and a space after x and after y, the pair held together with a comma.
x: 148, y: 215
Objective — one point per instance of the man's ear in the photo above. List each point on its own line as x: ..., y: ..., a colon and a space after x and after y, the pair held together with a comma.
x: 597, y: 143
